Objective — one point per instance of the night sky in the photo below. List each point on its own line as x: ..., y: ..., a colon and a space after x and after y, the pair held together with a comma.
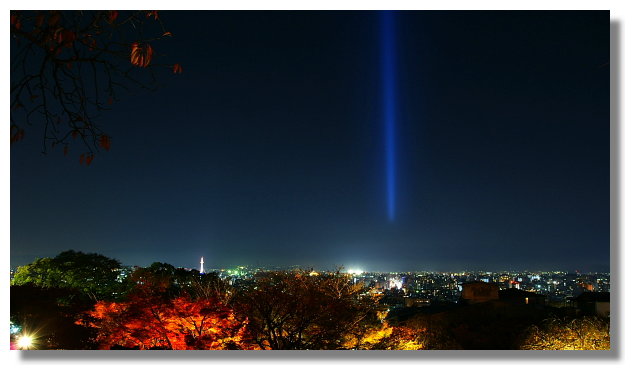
x: 270, y: 148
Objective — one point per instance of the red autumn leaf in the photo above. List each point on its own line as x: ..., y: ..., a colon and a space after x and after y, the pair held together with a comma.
x: 167, y: 33
x: 110, y: 100
x: 154, y: 13
x: 15, y: 21
x: 18, y: 135
x: 81, y: 158
x: 74, y: 134
x: 89, y: 159
x: 177, y: 68
x: 112, y: 16
x: 104, y: 142
x: 141, y: 54
x: 134, y: 53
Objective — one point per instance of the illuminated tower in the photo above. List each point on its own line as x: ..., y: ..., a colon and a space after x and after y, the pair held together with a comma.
x: 202, y: 269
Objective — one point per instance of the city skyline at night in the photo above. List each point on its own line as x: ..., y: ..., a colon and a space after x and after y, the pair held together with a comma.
x: 300, y: 180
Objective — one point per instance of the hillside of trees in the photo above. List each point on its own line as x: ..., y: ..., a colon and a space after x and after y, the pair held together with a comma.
x: 88, y: 301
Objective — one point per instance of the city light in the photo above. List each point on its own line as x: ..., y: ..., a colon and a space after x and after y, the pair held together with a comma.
x: 355, y: 271
x: 14, y: 328
x: 25, y: 342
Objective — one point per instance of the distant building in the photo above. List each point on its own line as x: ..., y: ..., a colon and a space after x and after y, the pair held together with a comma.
x: 478, y: 291
x: 594, y: 303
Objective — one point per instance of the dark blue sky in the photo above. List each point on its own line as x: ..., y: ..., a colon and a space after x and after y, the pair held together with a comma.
x: 269, y: 148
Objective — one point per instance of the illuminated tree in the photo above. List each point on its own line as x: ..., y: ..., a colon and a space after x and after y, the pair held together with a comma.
x: 180, y: 323
x: 300, y: 311
x: 404, y: 338
x: 370, y: 338
x: 385, y: 337
x: 67, y: 66
x: 585, y: 333
x: 91, y: 275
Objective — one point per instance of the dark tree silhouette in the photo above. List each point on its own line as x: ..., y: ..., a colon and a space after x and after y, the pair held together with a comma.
x: 47, y: 316
x: 67, y: 66
x: 162, y: 279
x: 300, y: 311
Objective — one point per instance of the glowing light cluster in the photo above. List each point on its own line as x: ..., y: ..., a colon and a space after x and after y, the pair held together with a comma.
x: 395, y: 283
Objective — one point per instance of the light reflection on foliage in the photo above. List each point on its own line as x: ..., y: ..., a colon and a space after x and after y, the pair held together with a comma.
x: 585, y: 333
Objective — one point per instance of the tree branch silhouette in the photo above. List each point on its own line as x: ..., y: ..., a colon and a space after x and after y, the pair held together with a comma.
x: 69, y: 66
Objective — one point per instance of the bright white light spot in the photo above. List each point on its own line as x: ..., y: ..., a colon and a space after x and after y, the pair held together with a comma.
x: 24, y: 342
x: 395, y: 283
x: 355, y: 271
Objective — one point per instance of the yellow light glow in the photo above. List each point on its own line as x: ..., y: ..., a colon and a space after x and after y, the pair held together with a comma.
x: 24, y: 342
x: 355, y: 271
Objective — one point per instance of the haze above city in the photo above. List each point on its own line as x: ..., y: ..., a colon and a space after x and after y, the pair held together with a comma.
x: 270, y: 149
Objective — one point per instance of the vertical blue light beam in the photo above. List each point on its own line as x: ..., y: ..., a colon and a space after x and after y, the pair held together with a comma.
x: 388, y: 86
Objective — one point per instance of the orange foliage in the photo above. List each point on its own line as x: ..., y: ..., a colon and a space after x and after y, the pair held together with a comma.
x: 141, y: 54
x: 387, y: 337
x: 180, y: 324
x: 154, y: 13
x: 405, y: 338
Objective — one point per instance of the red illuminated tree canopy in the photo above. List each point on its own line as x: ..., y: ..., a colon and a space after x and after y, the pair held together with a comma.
x: 180, y: 323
